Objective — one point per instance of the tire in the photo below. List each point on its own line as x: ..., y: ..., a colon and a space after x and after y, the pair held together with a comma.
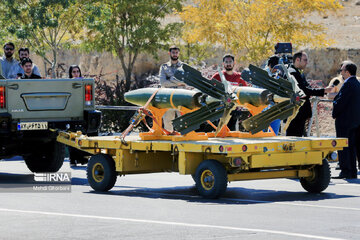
x: 101, y: 173
x: 48, y: 157
x: 321, y: 179
x: 211, y: 179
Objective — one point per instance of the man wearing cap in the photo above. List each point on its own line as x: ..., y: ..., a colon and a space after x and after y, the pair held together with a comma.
x: 168, y: 80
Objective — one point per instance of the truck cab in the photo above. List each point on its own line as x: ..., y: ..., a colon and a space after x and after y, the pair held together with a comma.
x: 33, y: 110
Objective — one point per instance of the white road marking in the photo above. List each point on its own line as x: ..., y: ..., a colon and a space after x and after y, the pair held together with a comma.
x: 170, y: 223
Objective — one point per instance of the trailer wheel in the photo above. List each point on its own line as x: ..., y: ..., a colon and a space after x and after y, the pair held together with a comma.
x: 101, y: 172
x: 47, y: 157
x: 320, y: 179
x: 211, y: 179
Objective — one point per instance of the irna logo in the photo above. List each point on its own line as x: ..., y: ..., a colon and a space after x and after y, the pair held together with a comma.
x: 52, y: 177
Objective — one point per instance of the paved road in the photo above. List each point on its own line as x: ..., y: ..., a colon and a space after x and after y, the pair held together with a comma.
x: 165, y: 206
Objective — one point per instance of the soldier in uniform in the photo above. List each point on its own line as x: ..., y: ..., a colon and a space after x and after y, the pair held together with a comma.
x: 168, y: 80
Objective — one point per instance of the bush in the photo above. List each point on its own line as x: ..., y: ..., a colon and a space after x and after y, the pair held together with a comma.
x: 112, y: 94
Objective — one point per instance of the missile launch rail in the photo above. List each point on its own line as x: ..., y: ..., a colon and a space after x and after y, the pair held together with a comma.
x: 212, y: 163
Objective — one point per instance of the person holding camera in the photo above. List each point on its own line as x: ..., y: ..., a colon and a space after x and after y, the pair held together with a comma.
x: 297, y: 125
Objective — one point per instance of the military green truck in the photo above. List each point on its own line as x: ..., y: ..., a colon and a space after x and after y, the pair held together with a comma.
x: 33, y: 110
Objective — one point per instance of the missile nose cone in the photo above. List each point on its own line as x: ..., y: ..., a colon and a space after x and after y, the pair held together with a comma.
x: 131, y: 97
x: 139, y: 96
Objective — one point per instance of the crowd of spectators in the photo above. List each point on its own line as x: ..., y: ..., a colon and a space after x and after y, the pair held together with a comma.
x: 24, y: 68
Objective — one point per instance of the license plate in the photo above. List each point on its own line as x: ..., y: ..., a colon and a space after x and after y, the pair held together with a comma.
x: 32, y: 126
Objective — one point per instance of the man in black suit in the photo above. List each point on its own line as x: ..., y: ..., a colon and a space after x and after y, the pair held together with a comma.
x: 297, y: 125
x: 347, y: 118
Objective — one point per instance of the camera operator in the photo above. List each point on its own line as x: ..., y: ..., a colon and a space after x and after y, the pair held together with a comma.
x: 272, y: 62
x: 297, y: 125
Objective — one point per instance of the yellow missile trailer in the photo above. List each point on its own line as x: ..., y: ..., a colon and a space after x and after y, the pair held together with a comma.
x: 212, y: 163
x: 213, y: 159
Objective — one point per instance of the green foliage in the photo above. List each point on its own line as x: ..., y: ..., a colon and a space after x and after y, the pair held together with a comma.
x: 129, y: 27
x: 112, y: 94
x: 44, y: 25
x: 194, y: 53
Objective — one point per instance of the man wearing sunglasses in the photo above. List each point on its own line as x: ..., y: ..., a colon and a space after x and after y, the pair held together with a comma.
x: 8, y: 61
x: 297, y: 125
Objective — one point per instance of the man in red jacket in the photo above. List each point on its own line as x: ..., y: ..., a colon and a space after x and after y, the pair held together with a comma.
x: 234, y: 78
x: 230, y: 75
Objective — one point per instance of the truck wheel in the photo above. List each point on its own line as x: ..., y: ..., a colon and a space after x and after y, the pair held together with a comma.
x: 320, y: 179
x: 47, y: 158
x: 101, y: 172
x: 211, y: 179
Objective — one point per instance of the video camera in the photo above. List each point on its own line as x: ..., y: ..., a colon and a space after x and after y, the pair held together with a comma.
x: 284, y: 51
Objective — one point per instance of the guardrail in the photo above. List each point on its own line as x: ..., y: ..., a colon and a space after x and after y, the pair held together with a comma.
x: 119, y: 108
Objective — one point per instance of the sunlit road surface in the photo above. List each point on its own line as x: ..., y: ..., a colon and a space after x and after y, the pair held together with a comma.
x: 166, y: 206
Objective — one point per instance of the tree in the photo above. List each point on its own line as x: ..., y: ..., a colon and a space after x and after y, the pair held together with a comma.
x: 44, y: 25
x: 256, y: 25
x: 129, y: 27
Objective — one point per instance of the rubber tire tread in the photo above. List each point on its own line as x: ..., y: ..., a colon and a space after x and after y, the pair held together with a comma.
x: 110, y: 174
x: 321, y: 180
x: 48, y: 157
x: 220, y: 176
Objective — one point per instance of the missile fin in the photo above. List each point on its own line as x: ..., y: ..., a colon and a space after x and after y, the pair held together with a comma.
x: 193, y: 77
x: 260, y: 78
x: 192, y: 121
x: 262, y: 120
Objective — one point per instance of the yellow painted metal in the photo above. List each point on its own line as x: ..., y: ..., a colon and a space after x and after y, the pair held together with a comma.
x: 269, y: 175
x: 188, y: 162
x: 161, y: 146
x: 285, y: 159
x: 142, y: 162
x: 98, y: 172
x: 268, y: 154
x: 207, y: 179
x: 322, y: 144
x: 140, y: 146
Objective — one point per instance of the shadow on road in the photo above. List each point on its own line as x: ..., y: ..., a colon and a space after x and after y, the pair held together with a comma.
x: 233, y: 195
x: 16, y: 178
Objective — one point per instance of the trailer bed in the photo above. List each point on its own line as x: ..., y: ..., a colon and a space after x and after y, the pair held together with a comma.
x: 229, y: 159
